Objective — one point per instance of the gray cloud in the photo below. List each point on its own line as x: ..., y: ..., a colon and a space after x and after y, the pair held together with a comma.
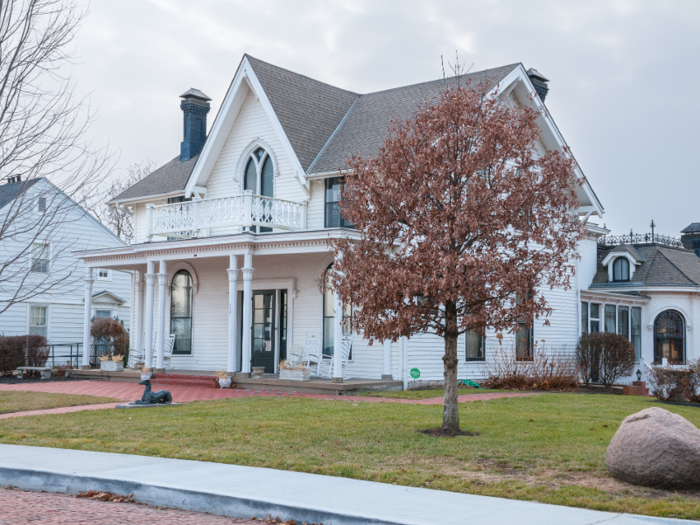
x: 623, y: 73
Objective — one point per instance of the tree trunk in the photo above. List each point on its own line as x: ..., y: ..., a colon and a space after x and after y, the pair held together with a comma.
x: 450, y: 415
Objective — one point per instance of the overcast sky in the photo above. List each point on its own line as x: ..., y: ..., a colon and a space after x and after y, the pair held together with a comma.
x: 624, y: 75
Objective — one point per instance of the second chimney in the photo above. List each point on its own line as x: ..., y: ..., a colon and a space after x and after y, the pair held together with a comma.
x: 539, y: 81
x: 195, y: 106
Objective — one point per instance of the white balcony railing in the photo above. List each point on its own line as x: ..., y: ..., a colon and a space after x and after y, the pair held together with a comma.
x: 196, y: 217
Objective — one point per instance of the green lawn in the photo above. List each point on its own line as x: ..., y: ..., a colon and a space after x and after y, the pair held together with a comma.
x: 548, y: 448
x: 11, y: 401
x: 428, y: 393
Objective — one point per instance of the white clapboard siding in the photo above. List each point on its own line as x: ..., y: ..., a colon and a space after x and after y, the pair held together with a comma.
x: 76, y: 231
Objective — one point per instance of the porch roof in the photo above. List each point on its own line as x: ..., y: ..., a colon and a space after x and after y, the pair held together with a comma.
x: 273, y: 243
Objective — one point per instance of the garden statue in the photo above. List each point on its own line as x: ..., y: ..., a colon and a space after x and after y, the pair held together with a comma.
x: 153, y: 398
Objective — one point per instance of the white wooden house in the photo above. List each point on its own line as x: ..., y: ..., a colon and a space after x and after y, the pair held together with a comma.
x: 230, y: 235
x: 42, y: 271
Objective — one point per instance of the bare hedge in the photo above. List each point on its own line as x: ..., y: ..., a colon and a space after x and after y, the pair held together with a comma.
x: 22, y: 350
x: 604, y: 356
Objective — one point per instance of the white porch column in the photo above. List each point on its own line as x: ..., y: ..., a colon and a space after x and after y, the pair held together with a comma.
x: 138, y: 342
x: 337, y: 374
x: 162, y: 283
x: 403, y: 349
x: 88, y: 316
x: 232, y: 309
x: 150, y: 283
x: 386, y: 376
x: 247, y: 312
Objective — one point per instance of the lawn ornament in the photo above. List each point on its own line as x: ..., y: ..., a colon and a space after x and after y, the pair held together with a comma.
x: 153, y: 398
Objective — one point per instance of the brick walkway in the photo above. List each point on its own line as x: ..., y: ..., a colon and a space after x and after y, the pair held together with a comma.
x: 182, y: 394
x: 60, y: 509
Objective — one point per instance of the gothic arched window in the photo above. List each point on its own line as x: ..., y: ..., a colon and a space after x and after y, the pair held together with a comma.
x: 621, y: 269
x: 259, y: 174
x: 669, y: 338
x: 181, y: 312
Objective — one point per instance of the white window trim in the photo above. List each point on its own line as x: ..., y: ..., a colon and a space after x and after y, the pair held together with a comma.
x: 48, y: 317
x: 250, y: 154
x: 610, y: 259
x: 108, y: 278
x: 109, y: 309
x: 31, y: 258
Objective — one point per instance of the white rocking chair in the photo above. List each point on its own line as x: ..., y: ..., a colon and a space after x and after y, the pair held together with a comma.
x: 313, y: 352
x: 138, y: 355
x: 167, y: 351
x: 327, y: 363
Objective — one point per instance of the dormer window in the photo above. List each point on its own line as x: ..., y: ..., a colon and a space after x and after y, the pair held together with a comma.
x: 621, y: 269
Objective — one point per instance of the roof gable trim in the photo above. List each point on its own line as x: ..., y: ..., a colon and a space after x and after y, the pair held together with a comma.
x: 244, y: 81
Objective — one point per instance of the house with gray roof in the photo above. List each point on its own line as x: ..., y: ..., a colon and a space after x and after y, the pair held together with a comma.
x: 646, y: 287
x: 231, y: 235
x: 42, y: 286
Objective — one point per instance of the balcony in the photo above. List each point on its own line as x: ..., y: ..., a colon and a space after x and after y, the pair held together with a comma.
x: 198, y: 217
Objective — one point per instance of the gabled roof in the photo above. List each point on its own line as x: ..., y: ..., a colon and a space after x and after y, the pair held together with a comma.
x: 10, y: 191
x: 661, y: 266
x: 308, y: 110
x: 320, y: 125
x: 365, y: 128
x: 107, y: 293
x: 628, y: 248
x: 169, y: 178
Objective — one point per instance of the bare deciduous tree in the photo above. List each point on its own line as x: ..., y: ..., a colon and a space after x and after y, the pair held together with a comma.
x: 118, y: 218
x: 461, y: 223
x: 45, y: 154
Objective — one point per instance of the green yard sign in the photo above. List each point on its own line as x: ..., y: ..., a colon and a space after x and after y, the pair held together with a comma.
x: 415, y: 373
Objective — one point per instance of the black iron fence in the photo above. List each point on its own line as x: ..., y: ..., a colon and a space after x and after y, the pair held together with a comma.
x: 65, y: 355
x: 640, y: 238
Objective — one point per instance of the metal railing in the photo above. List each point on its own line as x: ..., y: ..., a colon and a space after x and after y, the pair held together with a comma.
x: 640, y: 238
x: 65, y: 354
x: 196, y: 217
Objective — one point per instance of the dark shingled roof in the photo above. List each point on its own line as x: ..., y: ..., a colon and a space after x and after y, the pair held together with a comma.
x: 627, y: 248
x: 365, y: 128
x: 169, y: 178
x: 323, y: 123
x: 10, y: 191
x: 308, y: 110
x: 661, y: 266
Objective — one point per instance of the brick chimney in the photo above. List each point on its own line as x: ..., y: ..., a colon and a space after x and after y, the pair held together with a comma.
x: 195, y: 106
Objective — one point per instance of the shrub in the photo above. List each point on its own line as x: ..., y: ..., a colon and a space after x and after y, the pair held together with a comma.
x: 110, y: 335
x: 11, y: 354
x: 604, y: 356
x: 36, y: 350
x: 22, y: 350
x: 546, y: 371
x: 666, y: 383
x: 691, y: 383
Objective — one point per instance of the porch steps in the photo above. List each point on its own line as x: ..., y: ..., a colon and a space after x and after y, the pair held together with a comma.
x: 185, y: 380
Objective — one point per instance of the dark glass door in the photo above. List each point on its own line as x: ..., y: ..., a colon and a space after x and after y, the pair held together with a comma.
x: 263, y: 338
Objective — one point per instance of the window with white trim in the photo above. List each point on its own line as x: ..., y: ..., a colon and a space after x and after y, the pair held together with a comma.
x: 38, y: 321
x: 103, y: 313
x: 103, y: 274
x: 40, y: 253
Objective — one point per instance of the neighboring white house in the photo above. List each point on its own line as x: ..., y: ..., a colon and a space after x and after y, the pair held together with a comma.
x: 230, y: 235
x: 52, y: 280
x: 646, y: 287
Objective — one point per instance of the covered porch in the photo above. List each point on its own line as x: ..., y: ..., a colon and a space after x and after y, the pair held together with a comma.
x: 237, y: 302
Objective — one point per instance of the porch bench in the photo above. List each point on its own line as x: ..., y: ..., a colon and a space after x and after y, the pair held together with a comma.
x: 44, y: 370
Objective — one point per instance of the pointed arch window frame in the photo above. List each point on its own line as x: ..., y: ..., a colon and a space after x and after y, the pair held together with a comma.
x: 243, y: 161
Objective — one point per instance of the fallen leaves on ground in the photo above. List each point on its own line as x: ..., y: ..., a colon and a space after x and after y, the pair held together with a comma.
x: 105, y: 496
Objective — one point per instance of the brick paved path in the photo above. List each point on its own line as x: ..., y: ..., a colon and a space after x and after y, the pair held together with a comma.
x: 182, y: 394
x: 61, y: 509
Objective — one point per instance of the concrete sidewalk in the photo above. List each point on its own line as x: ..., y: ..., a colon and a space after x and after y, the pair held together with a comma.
x: 237, y: 491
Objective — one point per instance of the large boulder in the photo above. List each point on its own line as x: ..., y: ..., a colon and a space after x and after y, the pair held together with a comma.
x: 656, y: 448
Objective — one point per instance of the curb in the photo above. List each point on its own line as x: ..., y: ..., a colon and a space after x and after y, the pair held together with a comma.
x: 230, y: 506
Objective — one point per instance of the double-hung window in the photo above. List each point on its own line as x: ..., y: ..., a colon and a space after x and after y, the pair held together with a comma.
x: 40, y: 257
x: 334, y: 218
x: 38, y: 321
x: 475, y: 347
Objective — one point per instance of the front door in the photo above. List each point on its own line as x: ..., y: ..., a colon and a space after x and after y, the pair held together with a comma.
x: 263, y: 338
